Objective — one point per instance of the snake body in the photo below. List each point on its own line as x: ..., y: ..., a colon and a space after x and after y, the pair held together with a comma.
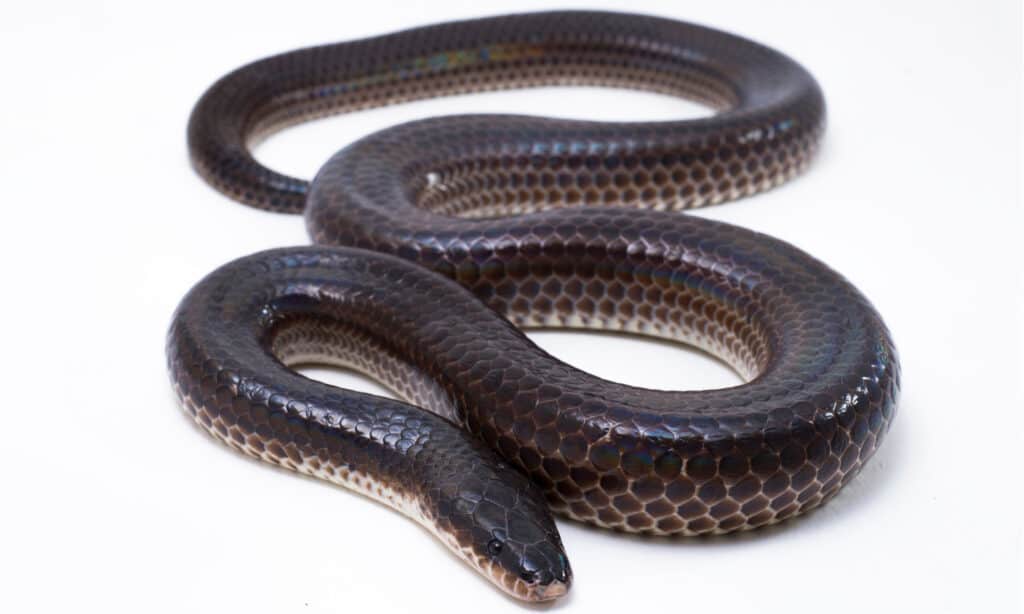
x: 439, y: 239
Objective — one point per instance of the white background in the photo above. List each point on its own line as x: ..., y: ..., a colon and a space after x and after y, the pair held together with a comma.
x: 114, y: 502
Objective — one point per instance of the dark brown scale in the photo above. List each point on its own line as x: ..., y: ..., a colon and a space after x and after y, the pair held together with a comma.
x: 549, y: 223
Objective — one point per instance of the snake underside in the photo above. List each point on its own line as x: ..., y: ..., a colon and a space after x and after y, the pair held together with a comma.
x: 441, y: 238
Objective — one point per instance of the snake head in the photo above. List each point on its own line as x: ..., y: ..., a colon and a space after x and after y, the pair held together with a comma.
x: 497, y: 521
x: 527, y: 561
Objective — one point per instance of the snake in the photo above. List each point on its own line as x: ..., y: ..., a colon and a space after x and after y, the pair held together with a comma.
x: 437, y: 242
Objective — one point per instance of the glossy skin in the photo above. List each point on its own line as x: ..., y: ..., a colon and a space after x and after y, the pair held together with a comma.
x: 549, y: 223
x: 228, y: 348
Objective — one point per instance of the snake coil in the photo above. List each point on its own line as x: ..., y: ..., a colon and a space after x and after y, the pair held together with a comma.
x: 439, y: 239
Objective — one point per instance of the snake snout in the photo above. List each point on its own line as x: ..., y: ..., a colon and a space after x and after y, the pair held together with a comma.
x: 544, y: 571
x: 554, y: 590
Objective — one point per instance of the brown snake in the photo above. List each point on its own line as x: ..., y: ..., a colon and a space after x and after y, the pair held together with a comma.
x: 482, y: 224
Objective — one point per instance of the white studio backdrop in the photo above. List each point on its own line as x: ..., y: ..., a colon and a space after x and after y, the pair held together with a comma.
x: 115, y: 502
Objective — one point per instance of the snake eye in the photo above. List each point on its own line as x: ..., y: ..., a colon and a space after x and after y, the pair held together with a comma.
x: 527, y: 575
x: 494, y: 547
